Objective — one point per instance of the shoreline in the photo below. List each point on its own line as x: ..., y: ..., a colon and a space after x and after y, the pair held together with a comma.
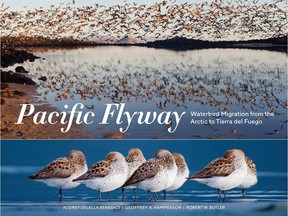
x: 177, y: 43
x: 11, y: 108
x: 19, y: 89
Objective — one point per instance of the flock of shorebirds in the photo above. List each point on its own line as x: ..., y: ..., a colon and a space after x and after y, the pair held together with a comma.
x: 217, y: 19
x: 165, y: 172
x: 173, y: 90
x: 165, y: 87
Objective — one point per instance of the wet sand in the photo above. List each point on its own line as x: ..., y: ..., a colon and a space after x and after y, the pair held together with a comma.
x: 10, y: 111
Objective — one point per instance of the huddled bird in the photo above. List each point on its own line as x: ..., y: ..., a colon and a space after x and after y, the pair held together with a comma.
x: 231, y: 171
x: 134, y: 159
x: 106, y: 175
x: 61, y: 172
x: 165, y: 172
x: 154, y: 175
x: 182, y: 173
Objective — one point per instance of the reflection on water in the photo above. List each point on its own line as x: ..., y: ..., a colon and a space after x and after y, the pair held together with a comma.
x: 145, y: 79
x: 189, y: 192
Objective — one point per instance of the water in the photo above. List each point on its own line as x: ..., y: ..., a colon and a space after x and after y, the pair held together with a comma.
x: 23, y: 196
x: 251, y: 82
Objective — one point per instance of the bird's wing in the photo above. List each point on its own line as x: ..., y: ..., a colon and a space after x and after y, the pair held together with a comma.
x: 98, y: 170
x: 251, y: 165
x: 145, y: 171
x: 216, y: 168
x: 59, y: 168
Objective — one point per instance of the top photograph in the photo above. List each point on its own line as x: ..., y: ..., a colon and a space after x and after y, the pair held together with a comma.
x: 167, y: 69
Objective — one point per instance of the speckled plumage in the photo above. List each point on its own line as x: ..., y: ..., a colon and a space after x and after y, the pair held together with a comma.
x: 224, y: 173
x: 182, y: 172
x: 251, y: 176
x: 134, y: 159
x: 60, y: 172
x: 251, y: 165
x: 106, y: 175
x: 155, y: 174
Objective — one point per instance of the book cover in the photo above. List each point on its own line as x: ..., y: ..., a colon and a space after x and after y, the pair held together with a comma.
x: 156, y: 107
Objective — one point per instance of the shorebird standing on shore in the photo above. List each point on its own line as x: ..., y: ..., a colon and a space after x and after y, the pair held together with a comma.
x: 224, y: 173
x: 182, y: 173
x: 251, y: 177
x: 106, y: 175
x: 61, y: 172
x: 155, y: 174
x: 134, y: 159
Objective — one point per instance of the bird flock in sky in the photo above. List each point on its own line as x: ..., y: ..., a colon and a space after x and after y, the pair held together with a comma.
x: 218, y: 19
x: 165, y: 172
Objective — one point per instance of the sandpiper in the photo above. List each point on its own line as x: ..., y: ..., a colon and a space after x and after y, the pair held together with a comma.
x: 224, y: 173
x: 61, y: 172
x: 251, y: 176
x: 134, y: 159
x: 155, y: 174
x: 182, y: 173
x: 106, y: 175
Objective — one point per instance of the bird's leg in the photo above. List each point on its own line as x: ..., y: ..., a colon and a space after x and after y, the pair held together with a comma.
x: 60, y: 194
x: 219, y: 195
x: 224, y: 193
x: 99, y: 196
x: 243, y: 193
x: 156, y: 196
x: 149, y: 195
x: 134, y: 194
x: 164, y: 194
x: 109, y: 197
x: 122, y: 194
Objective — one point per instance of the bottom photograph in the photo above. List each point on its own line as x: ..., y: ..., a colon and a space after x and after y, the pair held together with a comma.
x: 88, y: 177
